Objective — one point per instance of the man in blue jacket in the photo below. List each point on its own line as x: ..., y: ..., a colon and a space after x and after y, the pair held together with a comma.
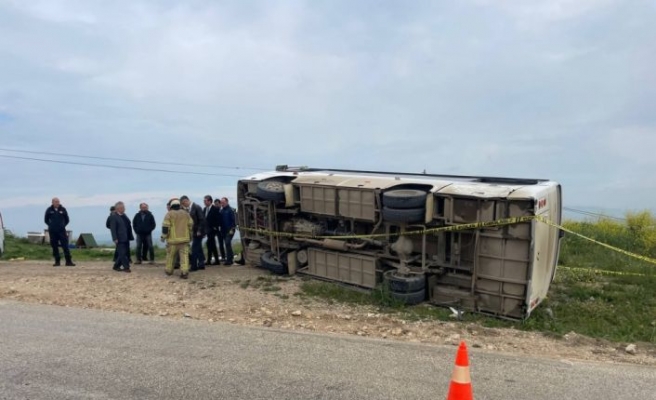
x: 56, y: 218
x: 228, y: 225
x: 212, y: 228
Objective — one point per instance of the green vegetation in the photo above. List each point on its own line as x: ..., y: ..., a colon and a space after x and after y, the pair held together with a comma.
x: 583, y: 298
x: 336, y: 293
x: 16, y: 247
x: 637, y: 234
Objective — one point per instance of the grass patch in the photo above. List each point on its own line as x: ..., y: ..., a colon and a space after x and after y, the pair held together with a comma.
x: 332, y: 292
x: 618, y: 308
x: 271, y: 289
x: 17, y: 247
x: 637, y: 234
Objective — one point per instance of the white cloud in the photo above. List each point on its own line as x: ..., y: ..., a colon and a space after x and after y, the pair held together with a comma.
x: 633, y: 147
x: 538, y: 14
x: 56, y: 11
x: 531, y: 88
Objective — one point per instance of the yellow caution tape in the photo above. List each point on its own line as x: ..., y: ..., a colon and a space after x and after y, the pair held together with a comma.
x: 616, y: 249
x: 453, y: 228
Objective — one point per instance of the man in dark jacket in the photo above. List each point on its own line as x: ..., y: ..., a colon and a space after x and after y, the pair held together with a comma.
x: 222, y: 251
x: 228, y: 225
x: 121, y: 235
x: 197, y: 256
x: 212, y: 223
x: 56, y: 218
x: 109, y: 218
x: 144, y: 224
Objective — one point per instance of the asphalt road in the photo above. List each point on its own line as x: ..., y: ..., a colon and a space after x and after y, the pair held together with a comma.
x: 49, y: 352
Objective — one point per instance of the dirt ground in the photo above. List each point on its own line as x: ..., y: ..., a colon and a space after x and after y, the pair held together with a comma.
x: 219, y: 294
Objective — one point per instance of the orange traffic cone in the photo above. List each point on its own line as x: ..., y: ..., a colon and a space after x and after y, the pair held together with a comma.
x: 461, y: 388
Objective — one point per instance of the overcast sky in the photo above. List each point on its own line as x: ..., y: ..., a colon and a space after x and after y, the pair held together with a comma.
x: 559, y: 89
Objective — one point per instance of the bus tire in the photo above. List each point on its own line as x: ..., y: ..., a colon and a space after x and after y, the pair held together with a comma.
x: 405, y: 284
x: 270, y: 263
x: 404, y: 215
x: 404, y: 199
x: 273, y: 190
x: 410, y: 298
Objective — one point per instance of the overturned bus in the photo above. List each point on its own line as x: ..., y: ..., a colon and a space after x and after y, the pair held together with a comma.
x: 426, y: 238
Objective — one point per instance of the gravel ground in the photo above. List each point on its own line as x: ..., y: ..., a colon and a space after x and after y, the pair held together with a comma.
x: 220, y: 294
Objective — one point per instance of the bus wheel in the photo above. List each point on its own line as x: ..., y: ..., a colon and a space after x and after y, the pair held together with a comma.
x: 411, y: 298
x: 404, y: 198
x: 404, y: 215
x: 269, y: 262
x: 405, y: 284
x: 271, y: 190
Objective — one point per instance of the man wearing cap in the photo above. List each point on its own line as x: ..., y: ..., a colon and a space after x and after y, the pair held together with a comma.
x: 176, y: 231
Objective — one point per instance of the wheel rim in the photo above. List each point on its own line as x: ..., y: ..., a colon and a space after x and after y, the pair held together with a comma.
x: 302, y: 256
x: 274, y: 186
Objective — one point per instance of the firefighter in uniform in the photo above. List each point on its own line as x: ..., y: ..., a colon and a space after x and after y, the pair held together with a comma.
x: 176, y: 231
x: 177, y: 256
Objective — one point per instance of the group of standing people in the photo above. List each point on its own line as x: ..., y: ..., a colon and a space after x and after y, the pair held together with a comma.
x: 187, y: 223
x: 143, y: 225
x: 184, y: 228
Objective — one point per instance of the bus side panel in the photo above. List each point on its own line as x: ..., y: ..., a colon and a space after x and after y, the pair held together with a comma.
x: 546, y: 244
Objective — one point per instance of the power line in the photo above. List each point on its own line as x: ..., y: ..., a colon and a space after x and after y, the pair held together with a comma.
x: 131, y: 160
x: 120, y: 167
x: 592, y: 214
x: 582, y: 212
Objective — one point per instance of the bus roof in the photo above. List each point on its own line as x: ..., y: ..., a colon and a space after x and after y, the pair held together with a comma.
x: 477, y: 186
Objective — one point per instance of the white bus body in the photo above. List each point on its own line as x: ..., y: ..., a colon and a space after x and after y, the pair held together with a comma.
x: 366, y: 228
